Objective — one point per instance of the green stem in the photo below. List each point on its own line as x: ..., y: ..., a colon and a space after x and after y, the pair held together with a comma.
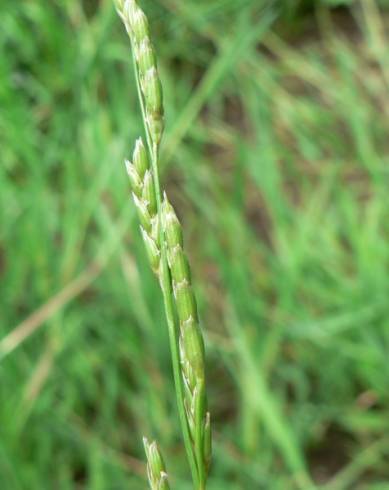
x: 199, y: 434
x: 167, y: 291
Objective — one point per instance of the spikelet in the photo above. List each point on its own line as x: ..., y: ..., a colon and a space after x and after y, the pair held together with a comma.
x: 156, y: 472
x: 143, y: 193
x: 191, y: 340
x: 138, y: 29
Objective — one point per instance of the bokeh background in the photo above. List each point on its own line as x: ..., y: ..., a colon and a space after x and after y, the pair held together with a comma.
x: 276, y: 157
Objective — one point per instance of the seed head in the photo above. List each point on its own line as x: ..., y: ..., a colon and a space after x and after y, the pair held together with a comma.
x: 191, y: 346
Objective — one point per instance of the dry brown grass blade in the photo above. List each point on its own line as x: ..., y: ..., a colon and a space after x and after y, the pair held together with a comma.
x: 31, y: 324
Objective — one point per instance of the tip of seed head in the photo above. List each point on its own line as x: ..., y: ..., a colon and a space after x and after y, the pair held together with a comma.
x: 138, y: 203
x: 138, y: 144
x: 128, y: 165
x: 153, y: 446
x: 147, y: 175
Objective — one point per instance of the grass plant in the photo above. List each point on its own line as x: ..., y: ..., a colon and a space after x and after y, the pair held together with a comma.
x: 163, y: 240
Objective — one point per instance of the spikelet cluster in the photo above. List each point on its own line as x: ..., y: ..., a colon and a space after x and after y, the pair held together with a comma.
x: 191, y: 339
x: 138, y: 29
x: 143, y: 193
x: 156, y: 472
x: 191, y: 346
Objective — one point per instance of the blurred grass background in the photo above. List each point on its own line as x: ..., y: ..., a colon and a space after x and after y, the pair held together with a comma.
x: 276, y: 156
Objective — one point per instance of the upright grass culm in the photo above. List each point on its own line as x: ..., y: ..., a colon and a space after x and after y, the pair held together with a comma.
x: 162, y: 235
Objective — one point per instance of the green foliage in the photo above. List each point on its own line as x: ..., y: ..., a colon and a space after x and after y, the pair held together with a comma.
x: 276, y: 160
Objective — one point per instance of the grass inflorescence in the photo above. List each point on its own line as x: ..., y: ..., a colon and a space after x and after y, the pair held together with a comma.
x: 276, y: 145
x: 162, y: 235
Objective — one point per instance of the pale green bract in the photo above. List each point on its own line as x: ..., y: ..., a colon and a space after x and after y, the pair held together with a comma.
x: 162, y: 236
x: 156, y: 472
